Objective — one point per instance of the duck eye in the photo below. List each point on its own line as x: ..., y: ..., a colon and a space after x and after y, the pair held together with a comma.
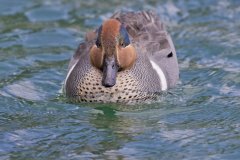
x: 125, y: 38
x: 122, y: 44
x: 98, y: 43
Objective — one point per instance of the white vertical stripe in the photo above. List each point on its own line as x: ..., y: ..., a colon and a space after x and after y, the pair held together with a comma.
x: 161, y: 75
x: 69, y: 72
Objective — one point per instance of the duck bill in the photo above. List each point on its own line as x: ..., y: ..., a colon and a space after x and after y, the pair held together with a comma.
x: 110, y: 69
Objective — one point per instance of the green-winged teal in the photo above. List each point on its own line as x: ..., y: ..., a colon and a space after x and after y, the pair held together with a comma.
x: 129, y: 58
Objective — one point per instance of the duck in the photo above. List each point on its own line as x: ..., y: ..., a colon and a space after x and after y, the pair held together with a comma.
x: 129, y: 59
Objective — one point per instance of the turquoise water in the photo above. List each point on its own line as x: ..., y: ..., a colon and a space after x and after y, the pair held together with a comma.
x: 199, y: 119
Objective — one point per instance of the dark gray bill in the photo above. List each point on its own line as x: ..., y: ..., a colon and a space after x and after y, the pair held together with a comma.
x: 110, y: 69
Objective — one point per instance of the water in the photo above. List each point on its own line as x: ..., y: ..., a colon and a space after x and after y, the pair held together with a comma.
x: 199, y: 119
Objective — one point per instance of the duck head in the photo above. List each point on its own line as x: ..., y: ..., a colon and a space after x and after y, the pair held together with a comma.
x: 112, y: 51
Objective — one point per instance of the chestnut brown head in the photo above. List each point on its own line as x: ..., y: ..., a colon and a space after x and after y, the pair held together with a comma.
x: 112, y: 51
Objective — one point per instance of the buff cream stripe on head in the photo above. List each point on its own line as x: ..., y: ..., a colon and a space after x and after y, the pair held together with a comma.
x: 161, y: 75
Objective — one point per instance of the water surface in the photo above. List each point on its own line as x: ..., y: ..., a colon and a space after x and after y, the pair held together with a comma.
x: 199, y: 119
